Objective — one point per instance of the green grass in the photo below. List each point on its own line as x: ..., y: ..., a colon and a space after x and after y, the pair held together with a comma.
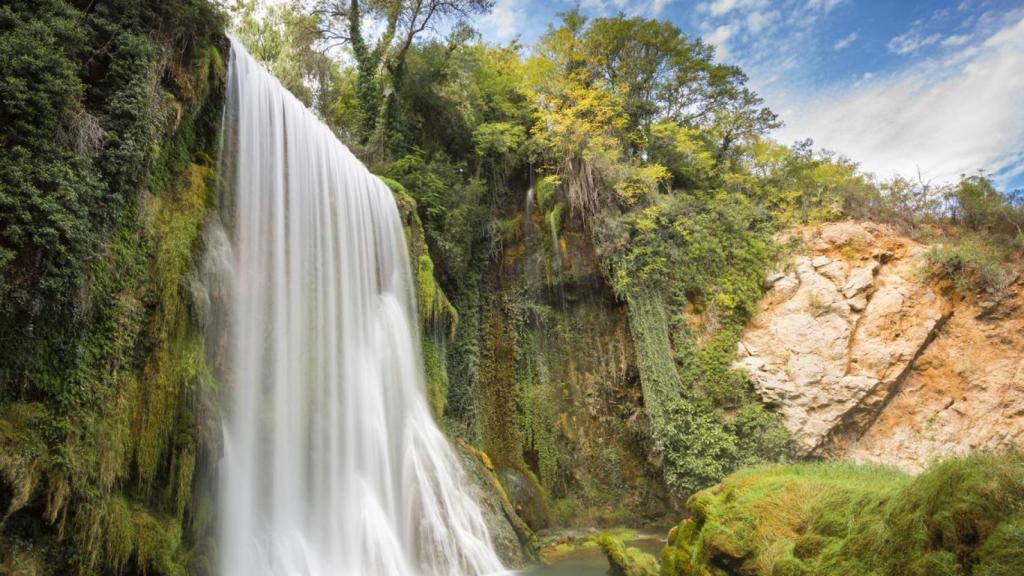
x: 962, y: 516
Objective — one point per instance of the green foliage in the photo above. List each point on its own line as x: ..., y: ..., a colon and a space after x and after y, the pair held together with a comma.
x: 699, y: 449
x: 978, y: 206
x: 705, y: 257
x: 381, y: 60
x: 796, y: 184
x: 104, y: 112
x: 286, y: 40
x: 971, y: 264
x: 450, y: 206
x: 961, y: 516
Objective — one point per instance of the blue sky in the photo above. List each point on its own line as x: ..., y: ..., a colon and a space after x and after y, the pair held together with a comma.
x: 901, y: 86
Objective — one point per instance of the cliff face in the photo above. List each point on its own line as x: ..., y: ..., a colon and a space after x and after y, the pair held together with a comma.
x: 107, y: 423
x: 560, y: 402
x: 867, y: 361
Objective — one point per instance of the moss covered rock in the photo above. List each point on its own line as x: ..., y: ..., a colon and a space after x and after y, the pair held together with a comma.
x: 961, y: 517
x: 625, y: 560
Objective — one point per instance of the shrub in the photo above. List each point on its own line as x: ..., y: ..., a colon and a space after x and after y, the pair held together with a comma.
x: 970, y: 264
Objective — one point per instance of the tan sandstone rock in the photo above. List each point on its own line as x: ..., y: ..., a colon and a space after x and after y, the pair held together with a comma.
x: 866, y: 361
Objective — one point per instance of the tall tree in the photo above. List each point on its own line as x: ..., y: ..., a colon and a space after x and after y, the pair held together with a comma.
x: 380, y: 59
x: 288, y: 41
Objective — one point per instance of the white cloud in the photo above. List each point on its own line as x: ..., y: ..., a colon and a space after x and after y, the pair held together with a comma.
x: 646, y: 8
x: 911, y: 42
x: 719, y: 38
x: 844, y: 42
x: 505, y: 19
x: 719, y: 8
x: 758, y: 20
x: 864, y: 78
x: 826, y: 5
x: 945, y: 117
x: 957, y: 40
x: 658, y: 5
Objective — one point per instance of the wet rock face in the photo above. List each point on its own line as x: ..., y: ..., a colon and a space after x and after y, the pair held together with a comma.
x: 860, y: 356
x: 512, y: 540
x: 526, y: 500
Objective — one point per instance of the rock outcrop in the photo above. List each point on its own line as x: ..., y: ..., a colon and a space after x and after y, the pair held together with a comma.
x: 866, y: 360
x: 513, y: 540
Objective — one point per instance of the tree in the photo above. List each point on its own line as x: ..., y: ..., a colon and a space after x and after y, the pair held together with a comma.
x: 976, y: 204
x: 581, y: 124
x: 380, y: 62
x: 288, y: 41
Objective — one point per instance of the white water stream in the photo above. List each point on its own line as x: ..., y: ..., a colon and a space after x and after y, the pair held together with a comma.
x: 333, y: 464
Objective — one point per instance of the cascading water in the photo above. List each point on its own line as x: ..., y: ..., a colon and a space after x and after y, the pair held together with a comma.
x: 333, y: 464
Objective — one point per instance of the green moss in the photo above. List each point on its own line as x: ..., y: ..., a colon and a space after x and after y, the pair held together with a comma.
x: 526, y: 536
x: 501, y: 432
x: 962, y: 516
x: 22, y: 462
x: 96, y: 406
x: 436, y: 376
x: 438, y: 317
x: 626, y: 561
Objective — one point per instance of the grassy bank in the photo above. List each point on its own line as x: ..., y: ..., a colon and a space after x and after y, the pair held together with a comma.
x: 962, y: 516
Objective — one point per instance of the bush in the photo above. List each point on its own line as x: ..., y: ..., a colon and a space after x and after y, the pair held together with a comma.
x: 970, y: 264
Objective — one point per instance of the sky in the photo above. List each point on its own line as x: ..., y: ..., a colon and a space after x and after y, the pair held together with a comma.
x: 910, y: 87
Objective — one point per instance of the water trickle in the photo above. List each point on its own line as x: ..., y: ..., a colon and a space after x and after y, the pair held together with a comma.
x: 528, y: 217
x: 333, y: 464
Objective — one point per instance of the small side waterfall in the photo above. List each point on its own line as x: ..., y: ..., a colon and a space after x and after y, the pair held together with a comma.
x: 333, y: 464
x: 528, y: 216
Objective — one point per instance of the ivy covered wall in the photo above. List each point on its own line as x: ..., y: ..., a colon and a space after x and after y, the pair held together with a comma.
x: 109, y: 119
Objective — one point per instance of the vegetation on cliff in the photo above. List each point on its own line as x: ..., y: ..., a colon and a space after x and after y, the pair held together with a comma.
x: 109, y: 115
x: 961, y: 516
x: 615, y: 166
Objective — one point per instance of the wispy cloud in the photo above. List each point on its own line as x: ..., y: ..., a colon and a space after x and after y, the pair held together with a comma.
x: 912, y: 41
x: 646, y: 8
x: 505, y: 18
x: 845, y: 41
x: 758, y: 20
x: 719, y: 38
x: 723, y: 7
x: 945, y: 116
x: 956, y: 40
x: 825, y: 5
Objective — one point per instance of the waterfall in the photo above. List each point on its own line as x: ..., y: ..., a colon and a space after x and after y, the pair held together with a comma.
x: 333, y: 464
x: 528, y: 219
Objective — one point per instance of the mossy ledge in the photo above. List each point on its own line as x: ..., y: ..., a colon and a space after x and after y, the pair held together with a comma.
x: 961, y: 517
x: 438, y: 317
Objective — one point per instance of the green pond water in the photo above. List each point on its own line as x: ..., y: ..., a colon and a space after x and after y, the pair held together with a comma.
x: 590, y: 561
